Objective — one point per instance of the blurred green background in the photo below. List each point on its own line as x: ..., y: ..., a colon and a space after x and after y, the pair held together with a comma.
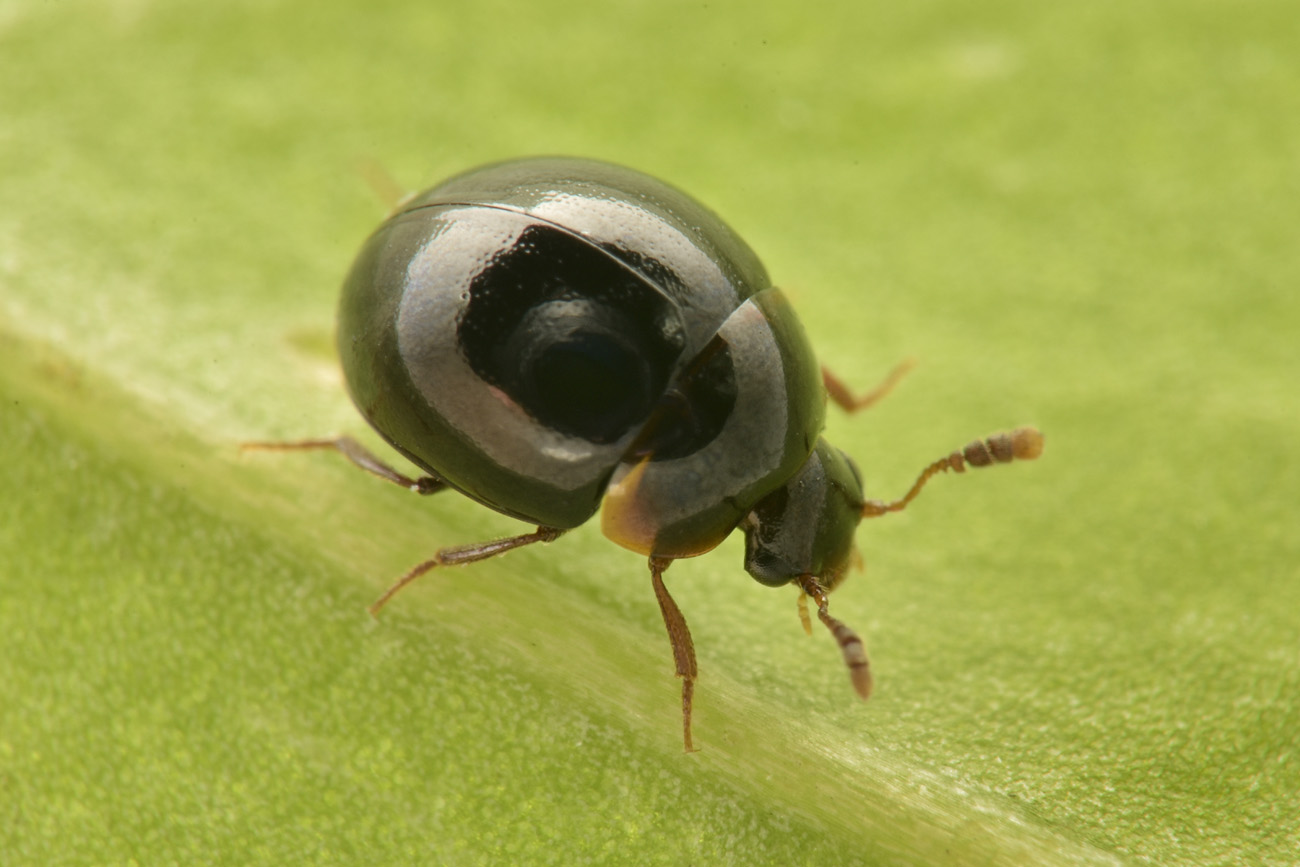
x: 1076, y: 215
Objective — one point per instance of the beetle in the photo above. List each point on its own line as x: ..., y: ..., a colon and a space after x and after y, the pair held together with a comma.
x: 553, y: 337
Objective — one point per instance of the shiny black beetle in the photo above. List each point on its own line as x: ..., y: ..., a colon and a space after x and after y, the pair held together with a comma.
x: 553, y: 337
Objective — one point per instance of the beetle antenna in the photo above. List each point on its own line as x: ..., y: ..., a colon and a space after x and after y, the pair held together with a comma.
x: 855, y: 654
x: 1023, y: 443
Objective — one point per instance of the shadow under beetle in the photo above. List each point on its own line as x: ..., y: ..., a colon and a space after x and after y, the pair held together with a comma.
x: 553, y: 337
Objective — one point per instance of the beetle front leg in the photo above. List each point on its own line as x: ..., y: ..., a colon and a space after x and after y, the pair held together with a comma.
x: 680, y: 637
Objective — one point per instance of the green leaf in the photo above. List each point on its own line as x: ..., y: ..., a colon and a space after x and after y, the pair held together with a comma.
x: 1077, y: 215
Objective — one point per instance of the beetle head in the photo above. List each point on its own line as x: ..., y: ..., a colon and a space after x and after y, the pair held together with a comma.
x: 806, y: 526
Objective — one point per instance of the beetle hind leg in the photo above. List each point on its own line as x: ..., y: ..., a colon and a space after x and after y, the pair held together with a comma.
x: 680, y: 637
x: 359, y: 455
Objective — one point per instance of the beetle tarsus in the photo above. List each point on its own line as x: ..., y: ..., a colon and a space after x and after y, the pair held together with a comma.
x: 410, y: 576
x: 1023, y: 443
x: 679, y: 635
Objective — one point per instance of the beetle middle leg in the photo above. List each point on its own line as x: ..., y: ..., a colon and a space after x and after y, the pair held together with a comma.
x: 680, y: 637
x: 366, y: 460
x: 463, y: 554
x: 358, y: 455
x: 850, y: 402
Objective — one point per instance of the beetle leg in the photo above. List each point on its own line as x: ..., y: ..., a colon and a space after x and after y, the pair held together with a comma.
x: 1023, y: 443
x: 680, y: 637
x: 855, y: 655
x: 849, y: 402
x: 359, y: 455
x: 391, y: 194
x: 463, y: 554
x: 804, y: 620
